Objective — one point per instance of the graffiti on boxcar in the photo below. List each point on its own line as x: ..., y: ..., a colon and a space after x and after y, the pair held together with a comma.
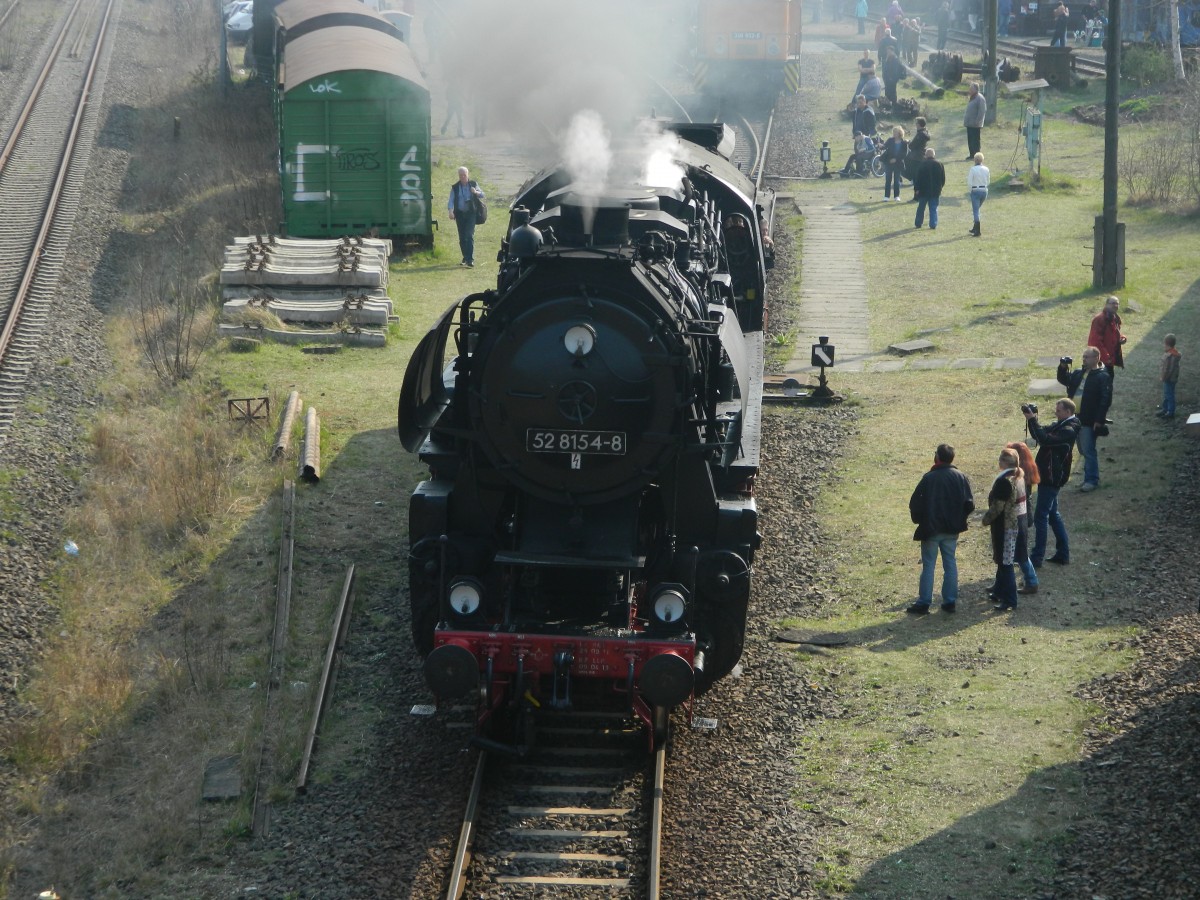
x: 325, y: 87
x: 359, y: 160
x: 411, y: 186
x: 296, y: 169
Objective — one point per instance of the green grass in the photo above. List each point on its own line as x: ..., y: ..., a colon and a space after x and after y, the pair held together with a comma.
x: 954, y: 767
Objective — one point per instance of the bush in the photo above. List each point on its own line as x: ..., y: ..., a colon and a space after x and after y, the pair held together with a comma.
x: 1146, y: 65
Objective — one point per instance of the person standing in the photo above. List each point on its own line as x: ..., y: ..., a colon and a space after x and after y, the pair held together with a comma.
x: 978, y: 178
x: 866, y: 71
x: 1002, y: 516
x: 461, y: 204
x: 941, y: 19
x: 895, y: 151
x: 939, y: 507
x: 1095, y: 397
x: 1169, y: 372
x: 1055, y: 443
x: 973, y: 118
x: 863, y: 121
x: 1105, y: 335
x: 927, y: 186
x: 916, y: 149
x: 1061, y: 15
x: 1024, y: 485
x: 888, y: 42
x: 860, y: 13
x: 893, y: 74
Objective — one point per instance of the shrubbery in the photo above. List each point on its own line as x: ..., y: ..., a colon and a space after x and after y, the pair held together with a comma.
x: 1162, y: 166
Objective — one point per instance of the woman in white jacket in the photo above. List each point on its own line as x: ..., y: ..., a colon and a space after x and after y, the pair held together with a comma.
x: 977, y: 185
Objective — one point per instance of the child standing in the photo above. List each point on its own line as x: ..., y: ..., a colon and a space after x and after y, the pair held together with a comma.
x: 1169, y: 372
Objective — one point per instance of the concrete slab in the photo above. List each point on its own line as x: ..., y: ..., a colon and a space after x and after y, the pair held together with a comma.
x: 1051, y: 361
x: 1192, y: 425
x: 906, y: 347
x: 1132, y: 305
x: 1012, y: 363
x: 855, y: 366
x: 1045, y: 387
x: 929, y: 363
x: 970, y: 364
x: 888, y: 365
x: 222, y: 779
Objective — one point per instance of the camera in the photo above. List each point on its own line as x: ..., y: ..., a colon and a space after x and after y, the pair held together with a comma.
x: 1065, y: 361
x: 1029, y: 408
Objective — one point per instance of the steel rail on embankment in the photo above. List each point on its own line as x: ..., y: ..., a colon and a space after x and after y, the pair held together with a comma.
x: 37, y: 193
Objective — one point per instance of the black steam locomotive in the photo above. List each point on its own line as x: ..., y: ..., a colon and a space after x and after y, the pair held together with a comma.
x: 589, y: 521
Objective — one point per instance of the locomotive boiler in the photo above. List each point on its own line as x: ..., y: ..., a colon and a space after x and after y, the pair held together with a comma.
x: 591, y: 429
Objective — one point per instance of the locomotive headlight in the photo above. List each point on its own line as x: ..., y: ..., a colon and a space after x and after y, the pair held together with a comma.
x: 579, y: 340
x: 669, y: 605
x: 466, y: 594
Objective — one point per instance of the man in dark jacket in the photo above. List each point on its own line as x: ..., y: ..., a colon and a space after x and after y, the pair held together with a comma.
x: 939, y: 507
x: 1094, y: 401
x: 893, y: 73
x: 927, y: 188
x: 864, y: 117
x: 1054, y: 465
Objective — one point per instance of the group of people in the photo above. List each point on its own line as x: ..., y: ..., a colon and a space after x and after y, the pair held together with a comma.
x: 942, y: 502
x: 913, y: 158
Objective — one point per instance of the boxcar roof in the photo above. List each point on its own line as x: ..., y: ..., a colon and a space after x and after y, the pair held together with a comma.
x: 291, y: 12
x: 345, y: 48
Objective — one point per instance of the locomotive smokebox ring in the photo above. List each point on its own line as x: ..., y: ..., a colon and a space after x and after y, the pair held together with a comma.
x: 667, y: 680
x: 451, y: 671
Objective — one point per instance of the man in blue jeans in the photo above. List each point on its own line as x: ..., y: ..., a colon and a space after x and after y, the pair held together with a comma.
x: 462, y: 210
x: 1092, y: 382
x: 1054, y: 465
x: 939, y: 507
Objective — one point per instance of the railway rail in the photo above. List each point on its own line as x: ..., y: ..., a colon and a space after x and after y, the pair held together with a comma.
x: 42, y: 163
x: 1025, y: 50
x: 579, y: 811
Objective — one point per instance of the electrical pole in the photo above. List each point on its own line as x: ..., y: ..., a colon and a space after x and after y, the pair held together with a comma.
x: 1109, y: 234
x: 991, y: 87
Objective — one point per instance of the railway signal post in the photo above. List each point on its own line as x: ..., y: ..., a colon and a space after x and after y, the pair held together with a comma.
x: 822, y: 357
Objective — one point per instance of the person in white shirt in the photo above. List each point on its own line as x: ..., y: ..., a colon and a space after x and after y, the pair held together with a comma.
x: 977, y: 184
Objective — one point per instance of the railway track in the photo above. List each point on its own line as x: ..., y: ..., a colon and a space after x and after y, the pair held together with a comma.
x: 1025, y: 50
x: 579, y: 815
x: 42, y: 164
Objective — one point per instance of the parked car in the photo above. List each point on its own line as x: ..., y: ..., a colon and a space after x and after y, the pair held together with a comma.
x: 239, y: 26
x: 236, y: 6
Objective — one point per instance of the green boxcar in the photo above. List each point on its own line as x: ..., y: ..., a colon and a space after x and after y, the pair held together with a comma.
x: 354, y: 137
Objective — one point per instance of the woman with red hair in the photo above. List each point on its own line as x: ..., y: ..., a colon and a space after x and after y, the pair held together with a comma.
x: 1024, y: 486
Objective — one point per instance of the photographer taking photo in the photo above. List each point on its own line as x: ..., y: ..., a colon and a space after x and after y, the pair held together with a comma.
x: 1054, y: 467
x: 1095, y: 398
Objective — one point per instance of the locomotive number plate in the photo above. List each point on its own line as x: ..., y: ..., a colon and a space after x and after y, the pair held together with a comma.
x: 554, y: 440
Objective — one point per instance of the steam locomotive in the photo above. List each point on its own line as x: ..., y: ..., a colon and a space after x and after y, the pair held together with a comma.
x: 591, y: 429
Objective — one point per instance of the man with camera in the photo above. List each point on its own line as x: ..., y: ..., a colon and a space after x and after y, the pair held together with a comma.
x: 939, y: 508
x: 1054, y: 465
x: 1095, y: 387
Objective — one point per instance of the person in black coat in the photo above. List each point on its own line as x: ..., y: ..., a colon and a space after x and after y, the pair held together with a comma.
x: 1095, y: 399
x: 1055, y: 442
x: 916, y: 149
x: 895, y: 152
x: 863, y: 121
x: 927, y: 185
x: 939, y: 507
x: 893, y: 73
